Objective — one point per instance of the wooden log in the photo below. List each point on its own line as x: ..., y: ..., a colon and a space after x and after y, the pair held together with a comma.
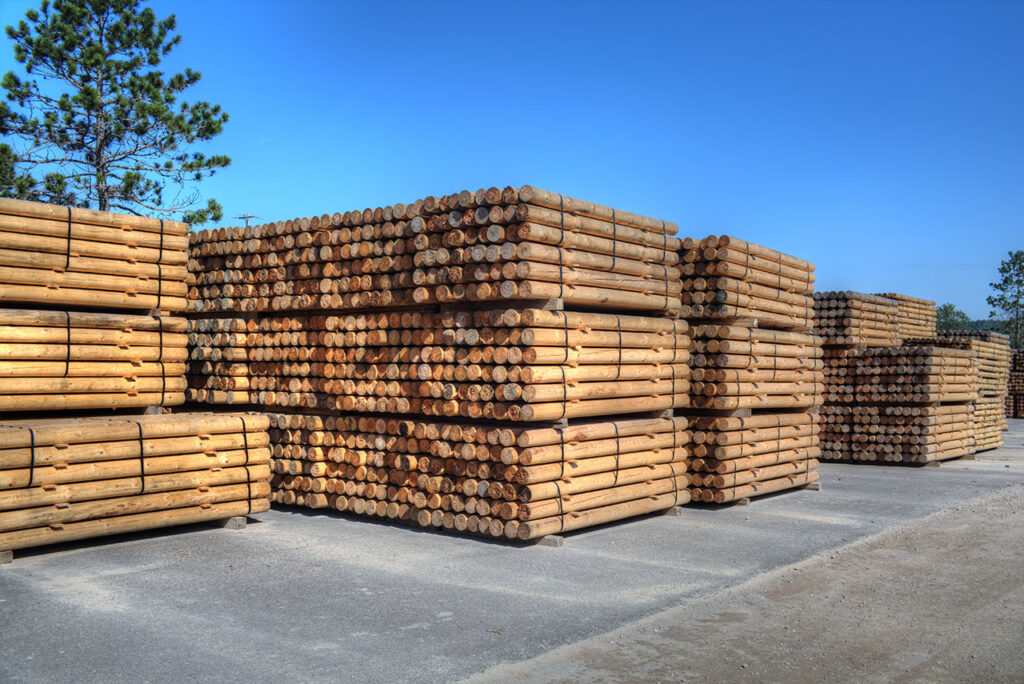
x: 67, y: 532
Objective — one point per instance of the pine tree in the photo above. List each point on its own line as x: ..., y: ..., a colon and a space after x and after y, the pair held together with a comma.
x: 94, y: 123
x: 1008, y: 300
x: 948, y: 317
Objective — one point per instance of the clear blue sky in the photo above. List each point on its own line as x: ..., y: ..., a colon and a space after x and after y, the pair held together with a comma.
x: 882, y: 140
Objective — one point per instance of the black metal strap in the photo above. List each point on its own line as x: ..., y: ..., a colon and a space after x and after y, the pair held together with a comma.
x: 561, y: 444
x: 67, y: 331
x: 67, y: 262
x: 248, y: 474
x: 142, y: 459
x: 561, y: 237
x: 159, y: 268
x: 675, y: 482
x: 618, y: 450
x: 618, y: 328
x: 561, y: 511
x: 32, y: 456
x: 615, y: 241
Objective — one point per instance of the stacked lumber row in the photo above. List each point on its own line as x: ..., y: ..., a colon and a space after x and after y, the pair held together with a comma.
x: 840, y: 378
x: 1015, y: 387
x: 64, y: 480
x: 69, y: 257
x: 727, y: 279
x: 66, y: 360
x: 993, y: 352
x: 736, y: 458
x: 494, y: 480
x: 897, y: 433
x: 491, y: 245
x: 736, y: 367
x: 907, y: 404
x: 853, y: 318
x: 497, y: 364
x: 915, y: 317
x: 757, y: 372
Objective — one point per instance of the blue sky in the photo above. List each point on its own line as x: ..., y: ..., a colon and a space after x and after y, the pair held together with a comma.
x: 883, y: 141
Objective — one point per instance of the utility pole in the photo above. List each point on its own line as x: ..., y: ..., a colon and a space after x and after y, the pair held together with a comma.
x: 246, y: 217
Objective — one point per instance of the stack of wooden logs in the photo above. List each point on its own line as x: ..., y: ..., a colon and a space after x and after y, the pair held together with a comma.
x: 915, y: 317
x: 848, y: 323
x: 68, y: 360
x: 490, y: 479
x: 86, y: 324
x: 1015, y: 387
x: 756, y: 370
x: 76, y: 262
x: 503, y: 311
x: 63, y: 256
x: 993, y: 352
x: 67, y: 479
x: 913, y: 404
x: 496, y: 364
x: 853, y: 318
x: 491, y: 245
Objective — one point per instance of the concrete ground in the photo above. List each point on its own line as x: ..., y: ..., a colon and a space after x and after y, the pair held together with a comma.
x: 888, y: 573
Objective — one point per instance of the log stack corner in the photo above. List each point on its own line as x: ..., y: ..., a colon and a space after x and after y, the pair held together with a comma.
x: 92, y: 347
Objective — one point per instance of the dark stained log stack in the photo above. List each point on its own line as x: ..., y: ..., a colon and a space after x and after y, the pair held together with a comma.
x: 757, y: 369
x: 1015, y: 387
x: 907, y: 404
x: 853, y: 318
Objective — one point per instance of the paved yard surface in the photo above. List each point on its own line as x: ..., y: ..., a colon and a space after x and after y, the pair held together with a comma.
x: 808, y: 583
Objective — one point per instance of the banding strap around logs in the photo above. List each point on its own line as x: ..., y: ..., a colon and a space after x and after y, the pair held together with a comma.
x: 159, y: 268
x: 248, y: 474
x: 67, y: 331
x: 618, y: 449
x: 142, y: 459
x: 615, y: 242
x: 67, y: 251
x: 160, y: 354
x: 618, y: 329
x: 32, y: 455
x: 675, y: 481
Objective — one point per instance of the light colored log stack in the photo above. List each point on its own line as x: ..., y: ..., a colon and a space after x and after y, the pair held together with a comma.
x: 736, y: 458
x: 915, y: 317
x: 489, y: 479
x: 757, y: 371
x: 68, y: 360
x: 853, y: 318
x: 497, y: 364
x: 993, y: 351
x: 906, y: 404
x: 491, y: 245
x: 67, y: 257
x: 1015, y: 387
x: 729, y: 279
x: 69, y: 479
x: 339, y: 319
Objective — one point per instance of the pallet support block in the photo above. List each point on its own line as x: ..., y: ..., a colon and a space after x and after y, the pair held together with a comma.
x: 239, y: 522
x: 553, y: 540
